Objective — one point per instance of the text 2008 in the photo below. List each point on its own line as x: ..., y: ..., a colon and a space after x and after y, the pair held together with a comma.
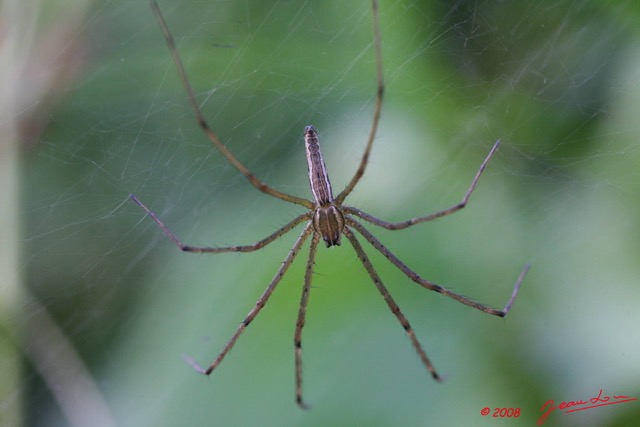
x: 506, y: 412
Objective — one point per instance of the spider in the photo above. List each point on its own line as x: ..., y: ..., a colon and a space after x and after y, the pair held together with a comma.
x: 327, y: 218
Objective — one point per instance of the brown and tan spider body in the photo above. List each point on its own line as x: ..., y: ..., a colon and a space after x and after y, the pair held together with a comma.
x: 326, y: 218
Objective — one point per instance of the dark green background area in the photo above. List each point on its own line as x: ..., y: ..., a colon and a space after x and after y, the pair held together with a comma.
x: 556, y: 82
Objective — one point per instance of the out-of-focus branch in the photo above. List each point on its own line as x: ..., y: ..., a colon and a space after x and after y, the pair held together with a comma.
x: 62, y: 369
x: 39, y: 56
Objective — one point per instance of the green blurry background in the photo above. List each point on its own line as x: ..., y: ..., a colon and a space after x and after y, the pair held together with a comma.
x: 98, y: 284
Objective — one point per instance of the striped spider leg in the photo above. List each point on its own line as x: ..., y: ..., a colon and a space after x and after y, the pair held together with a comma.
x: 326, y: 218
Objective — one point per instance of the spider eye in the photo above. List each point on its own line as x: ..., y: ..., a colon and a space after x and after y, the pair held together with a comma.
x: 332, y: 240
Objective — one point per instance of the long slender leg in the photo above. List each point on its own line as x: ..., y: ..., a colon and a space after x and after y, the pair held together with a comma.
x: 418, y: 220
x: 204, y: 125
x: 302, y: 312
x: 262, y: 301
x: 377, y: 47
x: 244, y: 248
x: 432, y: 286
x: 390, y: 302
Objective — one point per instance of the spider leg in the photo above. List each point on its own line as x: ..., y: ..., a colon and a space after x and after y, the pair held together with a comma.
x: 302, y: 312
x: 204, y: 125
x: 390, y: 302
x: 432, y: 286
x: 262, y: 301
x: 377, y: 47
x: 244, y: 248
x: 441, y: 213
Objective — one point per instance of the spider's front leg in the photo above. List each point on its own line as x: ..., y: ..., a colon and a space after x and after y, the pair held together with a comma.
x: 431, y: 285
x: 390, y: 302
x: 302, y: 314
x: 262, y: 301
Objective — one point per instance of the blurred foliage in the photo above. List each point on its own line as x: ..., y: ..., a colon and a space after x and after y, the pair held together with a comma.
x: 557, y: 82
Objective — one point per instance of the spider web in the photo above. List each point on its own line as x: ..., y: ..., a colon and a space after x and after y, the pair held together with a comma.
x: 100, y: 113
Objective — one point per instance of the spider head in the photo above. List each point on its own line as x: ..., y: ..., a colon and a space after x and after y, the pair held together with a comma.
x: 328, y: 221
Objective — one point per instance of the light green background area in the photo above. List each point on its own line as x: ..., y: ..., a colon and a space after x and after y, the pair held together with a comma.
x: 556, y: 82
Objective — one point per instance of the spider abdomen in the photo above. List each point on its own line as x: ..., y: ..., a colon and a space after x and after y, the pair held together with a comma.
x: 328, y: 221
x: 318, y: 176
